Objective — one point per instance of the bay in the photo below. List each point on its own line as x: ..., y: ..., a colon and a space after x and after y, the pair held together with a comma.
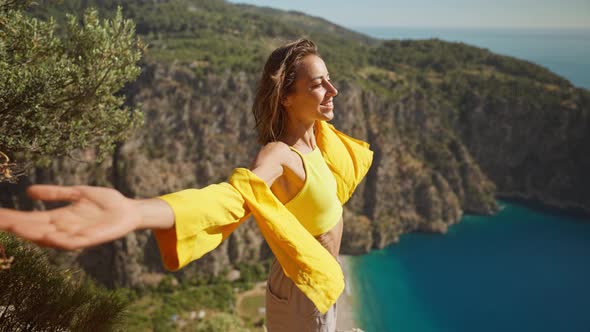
x: 520, y: 270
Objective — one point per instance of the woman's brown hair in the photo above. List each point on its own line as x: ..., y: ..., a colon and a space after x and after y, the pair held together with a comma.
x: 275, y: 84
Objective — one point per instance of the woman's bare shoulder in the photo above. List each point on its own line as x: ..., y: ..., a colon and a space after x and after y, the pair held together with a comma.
x: 273, y: 152
x: 269, y: 161
x: 278, y: 155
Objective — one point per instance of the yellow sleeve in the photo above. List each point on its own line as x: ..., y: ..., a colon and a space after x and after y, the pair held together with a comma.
x: 348, y: 158
x: 304, y: 260
x: 203, y: 219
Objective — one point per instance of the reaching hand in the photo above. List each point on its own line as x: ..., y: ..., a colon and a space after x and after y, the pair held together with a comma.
x: 95, y: 215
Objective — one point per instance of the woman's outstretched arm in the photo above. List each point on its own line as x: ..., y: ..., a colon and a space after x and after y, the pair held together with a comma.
x: 95, y: 215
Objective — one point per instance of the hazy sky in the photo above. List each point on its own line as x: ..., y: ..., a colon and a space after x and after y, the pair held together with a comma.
x: 437, y: 13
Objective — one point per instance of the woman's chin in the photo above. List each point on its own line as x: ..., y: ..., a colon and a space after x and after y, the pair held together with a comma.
x: 327, y: 115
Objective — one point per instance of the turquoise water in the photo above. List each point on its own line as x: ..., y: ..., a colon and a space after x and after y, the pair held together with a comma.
x: 563, y: 51
x: 520, y: 270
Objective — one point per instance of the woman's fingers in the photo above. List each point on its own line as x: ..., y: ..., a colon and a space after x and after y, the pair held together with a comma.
x: 6, y: 219
x: 28, y: 225
x: 86, y: 237
x: 35, y: 225
x: 96, y: 215
x: 53, y: 193
x: 10, y: 218
x: 70, y: 234
x: 65, y: 241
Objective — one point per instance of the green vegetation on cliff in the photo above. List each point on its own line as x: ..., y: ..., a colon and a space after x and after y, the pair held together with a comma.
x: 176, y: 306
x: 58, y: 90
x: 37, y: 296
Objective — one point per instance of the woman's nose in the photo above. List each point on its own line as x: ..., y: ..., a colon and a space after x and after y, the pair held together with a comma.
x: 332, y: 89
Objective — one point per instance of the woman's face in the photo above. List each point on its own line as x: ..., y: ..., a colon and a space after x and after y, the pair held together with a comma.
x: 311, y: 98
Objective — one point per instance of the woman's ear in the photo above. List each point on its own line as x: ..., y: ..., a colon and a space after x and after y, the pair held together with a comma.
x: 286, y: 101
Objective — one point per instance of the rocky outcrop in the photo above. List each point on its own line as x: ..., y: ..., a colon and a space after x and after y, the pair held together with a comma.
x: 532, y: 149
x: 198, y: 129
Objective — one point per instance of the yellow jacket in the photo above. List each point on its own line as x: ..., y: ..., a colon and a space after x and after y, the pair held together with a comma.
x: 205, y: 217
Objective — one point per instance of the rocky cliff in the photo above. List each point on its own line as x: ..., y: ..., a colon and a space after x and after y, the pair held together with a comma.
x: 452, y: 126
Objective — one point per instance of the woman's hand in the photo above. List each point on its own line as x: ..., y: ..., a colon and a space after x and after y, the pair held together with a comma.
x: 95, y: 215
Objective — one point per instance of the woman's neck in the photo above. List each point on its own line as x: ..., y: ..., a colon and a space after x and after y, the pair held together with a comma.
x: 299, y: 135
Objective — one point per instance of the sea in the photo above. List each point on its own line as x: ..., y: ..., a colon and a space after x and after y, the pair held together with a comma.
x: 527, y: 268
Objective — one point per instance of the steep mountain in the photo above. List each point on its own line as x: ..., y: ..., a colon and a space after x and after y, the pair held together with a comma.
x: 452, y: 126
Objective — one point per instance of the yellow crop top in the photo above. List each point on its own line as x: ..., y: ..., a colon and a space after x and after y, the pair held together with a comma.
x: 316, y: 205
x: 205, y: 217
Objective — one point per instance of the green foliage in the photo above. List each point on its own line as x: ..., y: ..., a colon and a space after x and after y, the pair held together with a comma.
x: 250, y: 273
x: 36, y: 296
x: 214, y: 36
x: 156, y: 307
x: 58, y: 91
x: 220, y: 323
x: 163, y: 307
x: 167, y: 284
x: 447, y: 57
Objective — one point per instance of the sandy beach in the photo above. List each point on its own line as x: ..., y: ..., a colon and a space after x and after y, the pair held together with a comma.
x: 346, y: 314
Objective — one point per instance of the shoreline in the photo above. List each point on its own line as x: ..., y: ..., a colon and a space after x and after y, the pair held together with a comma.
x: 347, y: 312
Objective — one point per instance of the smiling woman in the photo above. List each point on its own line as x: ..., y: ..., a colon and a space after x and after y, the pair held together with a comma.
x: 308, y: 189
x: 313, y: 92
x: 295, y: 189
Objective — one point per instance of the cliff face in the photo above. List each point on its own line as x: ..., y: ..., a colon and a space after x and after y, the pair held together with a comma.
x: 451, y: 127
x: 534, y: 150
x: 424, y: 175
x: 198, y: 129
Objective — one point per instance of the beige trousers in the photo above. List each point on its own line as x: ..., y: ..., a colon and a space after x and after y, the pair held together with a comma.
x: 289, y: 310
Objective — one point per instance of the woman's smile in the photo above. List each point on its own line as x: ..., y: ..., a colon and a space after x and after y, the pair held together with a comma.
x: 329, y: 103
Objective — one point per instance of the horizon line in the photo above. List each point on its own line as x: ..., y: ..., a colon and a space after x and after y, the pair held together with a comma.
x: 471, y: 27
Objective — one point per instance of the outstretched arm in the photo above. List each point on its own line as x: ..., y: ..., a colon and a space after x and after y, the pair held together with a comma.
x: 95, y: 215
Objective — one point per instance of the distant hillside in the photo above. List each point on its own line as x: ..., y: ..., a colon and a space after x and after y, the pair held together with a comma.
x: 452, y: 126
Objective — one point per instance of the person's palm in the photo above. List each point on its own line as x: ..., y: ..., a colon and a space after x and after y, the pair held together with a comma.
x: 95, y: 215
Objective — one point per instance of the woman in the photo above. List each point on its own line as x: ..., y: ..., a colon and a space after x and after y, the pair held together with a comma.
x: 295, y: 188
